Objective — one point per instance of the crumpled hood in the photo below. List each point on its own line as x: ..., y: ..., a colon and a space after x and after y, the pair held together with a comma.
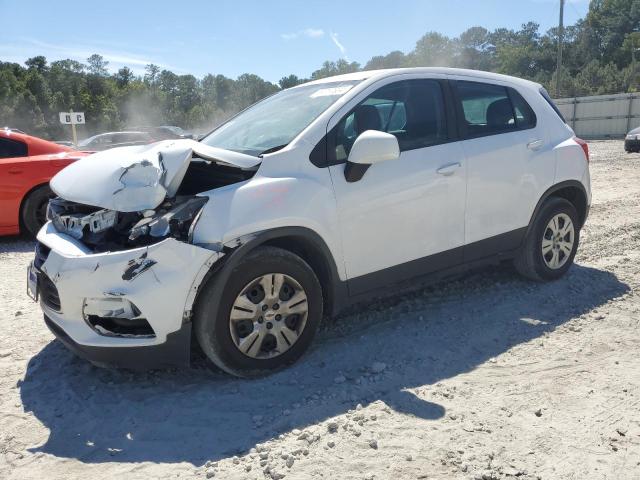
x: 130, y: 179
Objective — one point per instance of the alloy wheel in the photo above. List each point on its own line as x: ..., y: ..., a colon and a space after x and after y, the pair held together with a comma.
x: 557, y: 241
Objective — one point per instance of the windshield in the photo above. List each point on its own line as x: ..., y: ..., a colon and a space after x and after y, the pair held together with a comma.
x: 87, y: 141
x: 276, y: 120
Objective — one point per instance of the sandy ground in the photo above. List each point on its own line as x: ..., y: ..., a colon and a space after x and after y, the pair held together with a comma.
x: 487, y: 377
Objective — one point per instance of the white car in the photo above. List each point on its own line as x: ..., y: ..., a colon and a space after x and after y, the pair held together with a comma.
x: 320, y: 196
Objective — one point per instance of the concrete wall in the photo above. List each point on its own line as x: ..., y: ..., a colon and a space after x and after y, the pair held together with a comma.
x: 601, y: 116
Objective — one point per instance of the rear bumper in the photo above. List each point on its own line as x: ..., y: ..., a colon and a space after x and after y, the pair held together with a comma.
x: 175, y: 351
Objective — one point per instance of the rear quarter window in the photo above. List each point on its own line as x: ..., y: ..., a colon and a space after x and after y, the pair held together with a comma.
x: 546, y: 96
x: 12, y: 148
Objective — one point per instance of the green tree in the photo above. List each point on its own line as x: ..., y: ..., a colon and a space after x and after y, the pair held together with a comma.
x: 97, y: 65
x: 434, y: 50
x: 395, y: 59
x: 289, y: 81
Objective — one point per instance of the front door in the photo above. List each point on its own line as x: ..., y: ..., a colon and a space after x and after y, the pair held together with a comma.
x: 404, y: 217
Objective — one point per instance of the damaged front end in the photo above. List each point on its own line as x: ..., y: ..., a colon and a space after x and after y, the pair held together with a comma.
x: 135, y: 196
x: 116, y: 265
x: 109, y: 230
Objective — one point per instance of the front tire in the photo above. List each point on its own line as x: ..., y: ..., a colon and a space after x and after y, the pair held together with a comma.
x: 34, y: 209
x: 268, y: 312
x: 552, y: 242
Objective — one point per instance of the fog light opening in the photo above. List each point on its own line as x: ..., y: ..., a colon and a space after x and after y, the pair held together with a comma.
x: 116, y: 317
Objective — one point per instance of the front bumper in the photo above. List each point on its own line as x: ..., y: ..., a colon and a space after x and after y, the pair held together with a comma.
x: 160, y: 280
x: 175, y: 351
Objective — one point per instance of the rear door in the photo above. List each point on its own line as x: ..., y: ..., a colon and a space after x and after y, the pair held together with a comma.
x: 12, y: 172
x: 404, y: 217
x: 509, y: 164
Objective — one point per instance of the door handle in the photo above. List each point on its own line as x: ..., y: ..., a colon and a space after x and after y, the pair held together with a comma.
x: 15, y: 170
x: 535, y: 144
x: 449, y: 169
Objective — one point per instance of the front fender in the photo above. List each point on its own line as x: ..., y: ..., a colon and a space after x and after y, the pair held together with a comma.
x: 265, y: 204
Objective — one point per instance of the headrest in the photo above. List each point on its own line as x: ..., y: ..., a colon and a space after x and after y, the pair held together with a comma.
x: 367, y: 118
x: 499, y: 113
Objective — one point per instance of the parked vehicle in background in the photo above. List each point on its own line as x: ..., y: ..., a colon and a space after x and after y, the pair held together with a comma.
x: 317, y: 197
x: 632, y: 141
x: 105, y: 141
x: 15, y: 143
x: 165, y: 132
x: 66, y: 143
x: 26, y: 165
x: 14, y: 130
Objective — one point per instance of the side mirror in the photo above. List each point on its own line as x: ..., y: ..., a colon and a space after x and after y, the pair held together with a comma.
x: 370, y: 147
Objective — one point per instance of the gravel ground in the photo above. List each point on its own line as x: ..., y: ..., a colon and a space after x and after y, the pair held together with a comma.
x: 488, y: 377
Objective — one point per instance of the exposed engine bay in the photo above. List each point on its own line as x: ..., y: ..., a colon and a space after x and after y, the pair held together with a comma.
x: 103, y: 229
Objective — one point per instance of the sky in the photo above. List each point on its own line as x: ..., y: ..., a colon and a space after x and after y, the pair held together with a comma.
x: 269, y: 38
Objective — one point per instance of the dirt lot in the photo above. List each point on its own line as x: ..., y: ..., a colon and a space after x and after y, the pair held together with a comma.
x: 488, y: 377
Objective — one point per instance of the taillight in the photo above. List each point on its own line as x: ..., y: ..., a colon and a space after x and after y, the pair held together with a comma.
x: 584, y: 145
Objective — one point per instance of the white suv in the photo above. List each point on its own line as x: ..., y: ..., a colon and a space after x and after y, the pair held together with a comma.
x: 317, y: 197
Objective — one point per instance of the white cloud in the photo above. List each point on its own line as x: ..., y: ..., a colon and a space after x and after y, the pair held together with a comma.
x: 29, y: 47
x: 313, y: 32
x: 307, y: 32
x: 341, y: 47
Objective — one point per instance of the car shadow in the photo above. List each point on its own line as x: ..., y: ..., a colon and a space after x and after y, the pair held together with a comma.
x: 17, y: 244
x: 194, y: 415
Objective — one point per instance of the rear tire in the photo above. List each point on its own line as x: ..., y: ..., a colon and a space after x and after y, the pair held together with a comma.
x: 34, y: 209
x: 551, y: 243
x: 228, y: 316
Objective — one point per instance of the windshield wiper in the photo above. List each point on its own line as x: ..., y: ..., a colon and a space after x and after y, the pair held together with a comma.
x: 272, y: 149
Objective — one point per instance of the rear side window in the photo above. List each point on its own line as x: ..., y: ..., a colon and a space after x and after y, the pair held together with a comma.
x: 486, y: 108
x: 489, y: 109
x: 411, y: 110
x: 12, y: 148
x: 546, y: 96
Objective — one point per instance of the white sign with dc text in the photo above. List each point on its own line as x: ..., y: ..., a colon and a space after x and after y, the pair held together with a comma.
x: 72, y: 118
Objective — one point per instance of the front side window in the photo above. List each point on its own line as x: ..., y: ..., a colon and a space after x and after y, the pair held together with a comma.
x: 275, y: 121
x: 411, y: 110
x: 12, y: 148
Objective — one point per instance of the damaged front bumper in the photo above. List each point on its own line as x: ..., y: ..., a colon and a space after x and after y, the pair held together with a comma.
x: 127, y: 308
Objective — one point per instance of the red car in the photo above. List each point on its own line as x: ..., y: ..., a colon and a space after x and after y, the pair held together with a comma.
x: 26, y: 165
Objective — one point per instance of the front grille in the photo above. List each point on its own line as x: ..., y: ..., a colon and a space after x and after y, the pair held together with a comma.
x: 42, y: 252
x: 48, y: 292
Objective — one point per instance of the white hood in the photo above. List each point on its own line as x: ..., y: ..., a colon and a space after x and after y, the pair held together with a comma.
x: 130, y: 179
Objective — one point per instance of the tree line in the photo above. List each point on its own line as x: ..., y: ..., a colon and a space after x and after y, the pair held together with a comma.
x: 599, y: 54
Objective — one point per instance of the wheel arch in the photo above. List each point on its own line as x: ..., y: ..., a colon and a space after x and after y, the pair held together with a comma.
x: 301, y: 241
x: 23, y: 200
x: 571, y: 190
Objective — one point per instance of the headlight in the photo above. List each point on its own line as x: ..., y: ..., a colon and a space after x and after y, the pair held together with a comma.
x: 175, y: 222
x: 631, y: 137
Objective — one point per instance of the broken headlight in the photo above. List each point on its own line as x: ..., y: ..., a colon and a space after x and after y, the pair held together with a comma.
x: 76, y: 220
x: 170, y: 220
